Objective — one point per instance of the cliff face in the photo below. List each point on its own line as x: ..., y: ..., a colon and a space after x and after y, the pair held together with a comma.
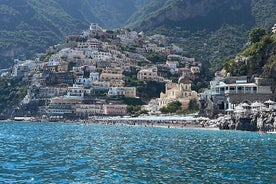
x: 201, y: 14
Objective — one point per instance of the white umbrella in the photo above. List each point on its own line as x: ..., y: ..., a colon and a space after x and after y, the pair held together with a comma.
x: 229, y: 110
x: 239, y: 109
x: 245, y: 105
x: 256, y: 104
x: 269, y: 102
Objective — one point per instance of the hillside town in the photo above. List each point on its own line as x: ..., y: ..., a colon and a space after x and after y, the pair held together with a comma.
x: 88, y: 75
x: 96, y: 72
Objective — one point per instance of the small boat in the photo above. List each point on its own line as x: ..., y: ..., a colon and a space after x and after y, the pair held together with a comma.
x: 261, y: 132
x: 266, y: 132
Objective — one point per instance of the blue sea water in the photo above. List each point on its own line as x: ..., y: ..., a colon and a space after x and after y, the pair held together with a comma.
x: 73, y: 153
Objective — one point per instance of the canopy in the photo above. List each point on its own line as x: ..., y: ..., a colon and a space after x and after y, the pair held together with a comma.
x: 257, y: 104
x: 269, y: 102
x: 245, y: 105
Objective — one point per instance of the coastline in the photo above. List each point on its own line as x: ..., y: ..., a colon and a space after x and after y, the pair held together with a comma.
x: 264, y: 121
x: 178, y: 122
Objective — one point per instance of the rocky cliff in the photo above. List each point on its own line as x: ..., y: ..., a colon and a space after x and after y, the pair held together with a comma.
x: 264, y: 121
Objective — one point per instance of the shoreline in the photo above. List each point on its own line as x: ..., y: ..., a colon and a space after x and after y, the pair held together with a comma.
x: 177, y: 122
x: 153, y: 125
x: 181, y: 122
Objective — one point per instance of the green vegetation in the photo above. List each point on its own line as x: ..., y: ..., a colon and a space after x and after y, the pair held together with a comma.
x: 211, y: 42
x: 175, y: 107
x: 31, y: 26
x: 256, y: 35
x: 145, y: 90
x: 12, y: 92
x: 135, y: 110
x: 39, y: 24
x: 156, y: 58
x: 133, y: 101
x: 150, y: 89
x: 172, y: 107
x: 259, y: 56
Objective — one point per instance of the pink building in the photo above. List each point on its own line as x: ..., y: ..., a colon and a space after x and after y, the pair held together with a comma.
x: 114, y: 109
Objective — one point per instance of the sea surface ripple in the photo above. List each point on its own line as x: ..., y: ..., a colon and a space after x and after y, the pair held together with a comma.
x: 73, y: 153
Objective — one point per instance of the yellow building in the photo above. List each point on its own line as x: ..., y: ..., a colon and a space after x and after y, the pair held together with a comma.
x: 180, y: 91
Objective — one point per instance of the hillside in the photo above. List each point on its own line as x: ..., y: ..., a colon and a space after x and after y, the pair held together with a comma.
x: 258, y: 58
x: 30, y: 26
x: 210, y: 30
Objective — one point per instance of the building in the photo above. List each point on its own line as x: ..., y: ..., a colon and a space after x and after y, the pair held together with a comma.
x: 226, y: 93
x: 195, y: 69
x: 63, y: 106
x: 180, y: 91
x: 149, y: 74
x: 114, y: 77
x: 84, y: 82
x: 49, y: 92
x: 114, y: 109
x: 122, y: 91
x: 75, y: 92
x: 54, y: 78
x: 86, y: 110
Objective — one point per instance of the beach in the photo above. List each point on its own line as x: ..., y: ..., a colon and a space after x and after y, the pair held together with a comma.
x: 155, y: 121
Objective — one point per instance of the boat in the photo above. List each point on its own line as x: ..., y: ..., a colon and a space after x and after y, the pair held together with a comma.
x: 266, y: 132
x: 261, y: 132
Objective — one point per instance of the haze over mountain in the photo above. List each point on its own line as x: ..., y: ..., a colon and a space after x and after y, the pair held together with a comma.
x: 209, y: 30
x: 30, y: 26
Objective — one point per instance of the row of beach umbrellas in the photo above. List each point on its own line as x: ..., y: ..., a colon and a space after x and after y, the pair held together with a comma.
x: 256, y: 105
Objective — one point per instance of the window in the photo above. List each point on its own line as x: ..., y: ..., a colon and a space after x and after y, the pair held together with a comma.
x: 247, y: 89
x: 222, y: 90
x: 254, y: 89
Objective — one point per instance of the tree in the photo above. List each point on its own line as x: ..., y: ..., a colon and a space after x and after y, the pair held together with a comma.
x: 256, y: 34
x: 172, y: 107
x: 156, y: 58
x: 193, y: 104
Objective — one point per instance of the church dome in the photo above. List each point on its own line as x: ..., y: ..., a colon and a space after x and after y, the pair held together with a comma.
x: 184, y: 80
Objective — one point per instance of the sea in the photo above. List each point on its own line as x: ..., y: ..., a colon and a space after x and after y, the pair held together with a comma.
x: 76, y: 153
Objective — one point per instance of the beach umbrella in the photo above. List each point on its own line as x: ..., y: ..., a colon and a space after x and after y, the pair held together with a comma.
x: 239, y: 109
x: 229, y: 110
x: 269, y: 102
x: 256, y: 104
x: 245, y: 105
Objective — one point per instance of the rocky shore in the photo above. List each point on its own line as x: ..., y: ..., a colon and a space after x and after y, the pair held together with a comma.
x: 257, y: 121
x: 260, y: 120
x: 264, y: 121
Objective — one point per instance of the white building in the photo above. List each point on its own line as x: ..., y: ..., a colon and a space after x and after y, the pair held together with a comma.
x: 94, y: 76
x: 75, y: 92
x: 122, y: 91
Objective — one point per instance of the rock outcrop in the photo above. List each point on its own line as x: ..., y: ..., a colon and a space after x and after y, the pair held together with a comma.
x: 264, y: 121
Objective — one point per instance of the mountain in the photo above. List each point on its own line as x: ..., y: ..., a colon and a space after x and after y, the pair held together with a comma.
x: 210, y: 30
x: 31, y: 26
x: 258, y: 58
